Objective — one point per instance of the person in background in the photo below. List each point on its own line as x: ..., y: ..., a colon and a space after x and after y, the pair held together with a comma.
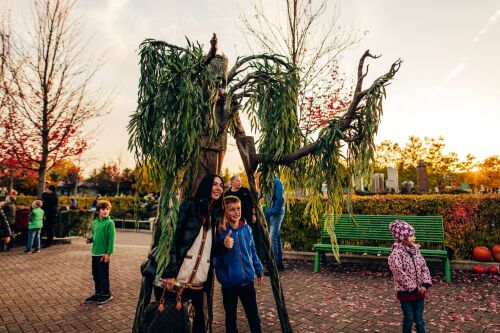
x: 50, y: 207
x: 103, y: 243
x: 247, y: 212
x: 94, y: 204
x: 35, y: 227
x: 411, y: 276
x: 275, y: 215
x: 9, y: 208
x: 73, y: 204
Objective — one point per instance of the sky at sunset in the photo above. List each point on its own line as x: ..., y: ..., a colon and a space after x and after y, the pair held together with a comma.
x: 447, y: 85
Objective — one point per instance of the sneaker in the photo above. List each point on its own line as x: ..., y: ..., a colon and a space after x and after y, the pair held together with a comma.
x: 92, y: 299
x: 104, y: 299
x: 27, y: 251
x: 37, y: 250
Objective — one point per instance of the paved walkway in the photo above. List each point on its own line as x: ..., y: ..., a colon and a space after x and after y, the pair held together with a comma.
x: 44, y: 292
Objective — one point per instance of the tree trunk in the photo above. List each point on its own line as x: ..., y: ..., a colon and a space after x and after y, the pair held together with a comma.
x: 42, y: 175
x: 11, y: 184
x: 246, y: 147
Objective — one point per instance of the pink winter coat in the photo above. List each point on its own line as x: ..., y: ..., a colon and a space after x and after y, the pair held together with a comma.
x: 409, y: 272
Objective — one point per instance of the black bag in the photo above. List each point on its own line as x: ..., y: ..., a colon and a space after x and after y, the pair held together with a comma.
x: 168, y: 315
x: 148, y: 267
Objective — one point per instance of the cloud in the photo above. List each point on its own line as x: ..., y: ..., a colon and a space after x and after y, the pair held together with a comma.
x: 451, y: 75
x: 487, y: 26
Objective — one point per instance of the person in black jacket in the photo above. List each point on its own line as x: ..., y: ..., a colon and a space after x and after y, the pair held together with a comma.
x: 50, y: 207
x: 5, y: 232
x: 248, y: 213
x: 190, y: 263
x: 9, y: 208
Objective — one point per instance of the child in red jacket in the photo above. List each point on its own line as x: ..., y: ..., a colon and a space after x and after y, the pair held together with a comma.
x: 411, y: 275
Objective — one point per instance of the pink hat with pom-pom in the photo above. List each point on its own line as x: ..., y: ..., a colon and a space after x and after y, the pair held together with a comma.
x: 401, y: 230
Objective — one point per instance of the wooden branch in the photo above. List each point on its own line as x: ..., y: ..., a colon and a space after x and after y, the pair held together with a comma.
x: 213, y: 50
x: 345, y: 121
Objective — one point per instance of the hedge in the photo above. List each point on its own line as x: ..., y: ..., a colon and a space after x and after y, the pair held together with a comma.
x: 469, y: 220
x: 122, y: 207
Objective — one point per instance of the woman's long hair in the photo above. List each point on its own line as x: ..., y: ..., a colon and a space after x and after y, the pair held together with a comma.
x: 204, y: 196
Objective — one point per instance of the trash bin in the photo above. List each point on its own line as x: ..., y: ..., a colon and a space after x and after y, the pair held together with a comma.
x: 22, y: 218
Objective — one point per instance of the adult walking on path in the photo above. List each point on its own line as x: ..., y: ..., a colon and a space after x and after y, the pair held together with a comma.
x: 9, y: 209
x: 50, y: 207
x: 247, y: 212
x: 275, y: 215
x: 190, y: 263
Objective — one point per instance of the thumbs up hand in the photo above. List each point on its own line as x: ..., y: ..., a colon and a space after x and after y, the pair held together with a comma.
x: 228, y: 241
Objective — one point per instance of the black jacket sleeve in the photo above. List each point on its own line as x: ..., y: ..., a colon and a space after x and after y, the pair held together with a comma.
x: 4, y: 226
x: 174, y: 264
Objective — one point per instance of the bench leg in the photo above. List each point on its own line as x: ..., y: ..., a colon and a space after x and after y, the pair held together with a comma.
x: 316, y: 261
x: 447, y: 270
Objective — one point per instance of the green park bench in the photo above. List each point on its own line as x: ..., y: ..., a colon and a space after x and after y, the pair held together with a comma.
x: 370, y: 234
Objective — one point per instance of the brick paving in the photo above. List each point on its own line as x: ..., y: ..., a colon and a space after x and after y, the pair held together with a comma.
x: 44, y: 292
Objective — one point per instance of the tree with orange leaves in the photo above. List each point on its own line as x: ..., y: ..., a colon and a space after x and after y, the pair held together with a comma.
x: 46, y: 91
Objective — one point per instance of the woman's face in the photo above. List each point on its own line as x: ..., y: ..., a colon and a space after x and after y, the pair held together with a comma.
x: 217, y: 188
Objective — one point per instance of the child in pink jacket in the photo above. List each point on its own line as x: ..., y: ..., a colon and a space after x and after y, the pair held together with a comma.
x: 411, y: 275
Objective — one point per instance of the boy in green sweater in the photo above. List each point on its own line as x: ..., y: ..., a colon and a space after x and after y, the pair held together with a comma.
x: 35, y: 226
x: 103, y: 242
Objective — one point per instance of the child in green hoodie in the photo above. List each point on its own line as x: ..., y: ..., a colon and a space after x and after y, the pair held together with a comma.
x: 103, y: 243
x: 35, y: 226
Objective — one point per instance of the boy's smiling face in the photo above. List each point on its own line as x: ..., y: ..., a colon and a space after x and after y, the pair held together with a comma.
x: 233, y: 212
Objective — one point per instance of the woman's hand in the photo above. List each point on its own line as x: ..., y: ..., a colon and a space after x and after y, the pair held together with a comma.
x: 422, y: 290
x: 6, y: 240
x: 168, y: 283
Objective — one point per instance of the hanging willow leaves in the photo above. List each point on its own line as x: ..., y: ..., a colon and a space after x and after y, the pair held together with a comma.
x: 176, y: 93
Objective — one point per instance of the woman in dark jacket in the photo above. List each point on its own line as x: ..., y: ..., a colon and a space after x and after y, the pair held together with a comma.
x: 190, y: 263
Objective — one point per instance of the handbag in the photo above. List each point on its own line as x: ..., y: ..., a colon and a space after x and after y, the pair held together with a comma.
x: 148, y: 267
x: 168, y: 315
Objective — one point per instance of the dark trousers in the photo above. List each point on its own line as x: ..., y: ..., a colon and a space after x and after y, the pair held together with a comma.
x: 248, y: 298
x: 413, y: 312
x: 196, y: 297
x: 100, y: 273
x: 48, y: 228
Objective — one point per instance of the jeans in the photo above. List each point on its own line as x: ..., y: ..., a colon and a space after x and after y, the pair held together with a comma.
x: 413, y: 312
x: 248, y: 298
x: 100, y: 273
x: 33, y: 239
x: 274, y: 234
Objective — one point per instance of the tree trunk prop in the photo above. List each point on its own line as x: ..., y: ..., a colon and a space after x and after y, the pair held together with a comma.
x: 188, y: 102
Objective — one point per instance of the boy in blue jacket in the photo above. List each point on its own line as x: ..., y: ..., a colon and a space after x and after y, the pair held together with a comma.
x: 237, y: 267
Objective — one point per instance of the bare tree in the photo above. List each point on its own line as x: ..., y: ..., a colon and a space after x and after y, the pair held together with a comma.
x: 310, y: 36
x: 48, y: 88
